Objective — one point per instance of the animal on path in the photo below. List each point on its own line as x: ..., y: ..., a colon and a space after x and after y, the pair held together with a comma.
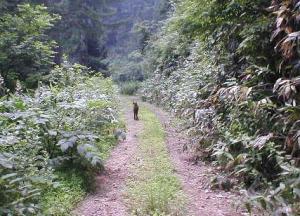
x: 135, y: 111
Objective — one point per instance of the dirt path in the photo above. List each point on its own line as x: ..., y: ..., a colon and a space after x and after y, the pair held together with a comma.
x: 108, y: 197
x: 195, y: 178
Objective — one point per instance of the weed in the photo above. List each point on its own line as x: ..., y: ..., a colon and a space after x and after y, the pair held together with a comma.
x: 62, y: 199
x: 154, y: 190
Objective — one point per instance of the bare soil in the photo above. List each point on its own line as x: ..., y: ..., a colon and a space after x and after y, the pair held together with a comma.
x: 108, y: 198
x: 196, y: 177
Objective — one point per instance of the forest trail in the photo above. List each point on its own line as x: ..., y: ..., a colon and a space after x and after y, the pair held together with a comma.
x: 195, y: 178
x: 109, y: 197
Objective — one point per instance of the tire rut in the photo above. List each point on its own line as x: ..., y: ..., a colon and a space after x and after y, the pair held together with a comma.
x: 195, y: 178
x: 108, y: 197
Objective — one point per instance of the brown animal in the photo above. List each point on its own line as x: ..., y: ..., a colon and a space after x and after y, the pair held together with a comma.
x: 135, y: 111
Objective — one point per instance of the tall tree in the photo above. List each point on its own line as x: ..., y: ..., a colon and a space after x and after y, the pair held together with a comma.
x: 80, y: 33
x: 26, y: 51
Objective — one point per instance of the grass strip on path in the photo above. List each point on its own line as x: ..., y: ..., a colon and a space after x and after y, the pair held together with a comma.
x: 154, y: 189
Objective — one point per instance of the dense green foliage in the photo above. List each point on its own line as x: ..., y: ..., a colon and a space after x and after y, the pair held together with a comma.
x: 26, y: 52
x: 81, y: 29
x: 61, y: 200
x: 129, y: 87
x: 231, y: 69
x: 128, y: 34
x: 60, y: 127
x: 55, y: 136
x: 106, y: 36
x: 80, y: 32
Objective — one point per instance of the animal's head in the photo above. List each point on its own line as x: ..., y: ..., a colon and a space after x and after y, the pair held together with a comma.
x: 135, y: 103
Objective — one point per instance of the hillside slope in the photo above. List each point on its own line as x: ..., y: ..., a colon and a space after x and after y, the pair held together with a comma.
x: 230, y: 68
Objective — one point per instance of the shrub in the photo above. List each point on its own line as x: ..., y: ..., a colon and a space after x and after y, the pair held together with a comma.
x: 61, y: 199
x: 129, y: 88
x: 239, y: 97
x: 59, y: 127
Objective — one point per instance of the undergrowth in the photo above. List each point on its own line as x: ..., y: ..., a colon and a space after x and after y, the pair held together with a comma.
x: 129, y: 88
x: 231, y: 69
x: 73, y: 185
x: 62, y: 199
x: 155, y: 190
x: 67, y: 125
